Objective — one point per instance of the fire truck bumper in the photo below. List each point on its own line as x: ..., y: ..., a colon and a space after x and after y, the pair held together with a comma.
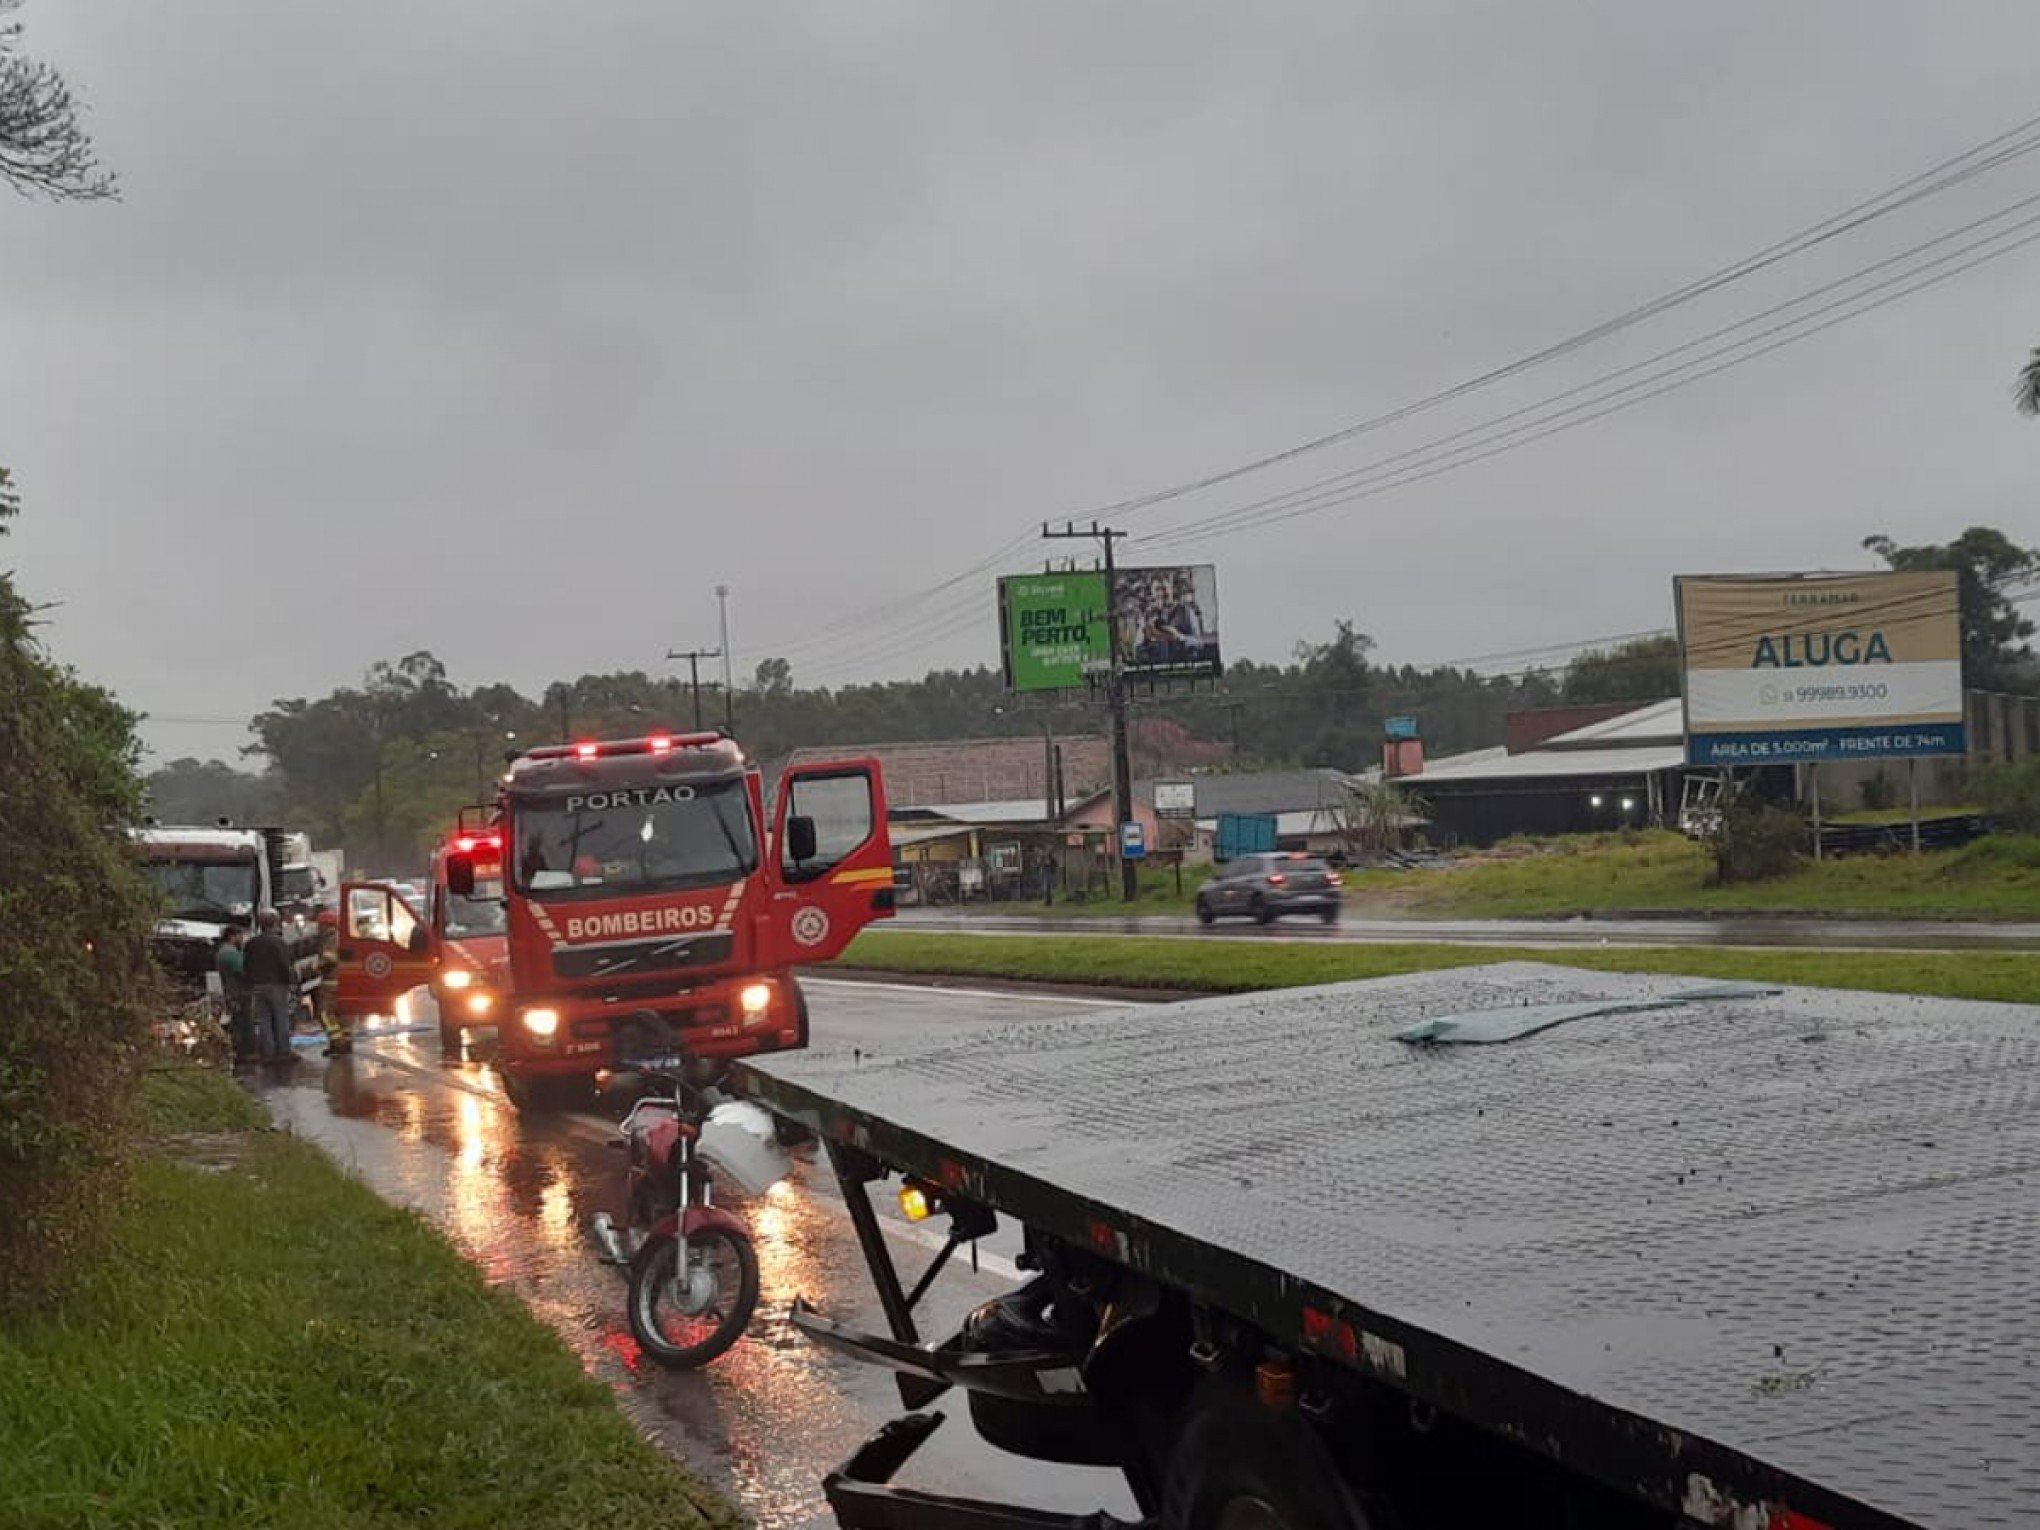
x: 567, y: 1036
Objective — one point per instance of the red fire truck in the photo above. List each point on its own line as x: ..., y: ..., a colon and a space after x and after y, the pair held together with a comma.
x: 639, y: 883
x: 469, y: 930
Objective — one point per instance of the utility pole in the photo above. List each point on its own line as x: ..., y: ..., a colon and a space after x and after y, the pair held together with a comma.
x: 1115, y: 697
x: 694, y: 656
x: 729, y: 689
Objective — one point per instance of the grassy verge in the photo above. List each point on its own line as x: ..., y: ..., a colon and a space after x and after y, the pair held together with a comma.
x: 1238, y: 966
x: 1993, y: 878
x: 269, y: 1344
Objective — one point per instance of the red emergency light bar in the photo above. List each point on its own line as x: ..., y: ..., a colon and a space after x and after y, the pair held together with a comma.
x: 468, y: 842
x: 657, y: 743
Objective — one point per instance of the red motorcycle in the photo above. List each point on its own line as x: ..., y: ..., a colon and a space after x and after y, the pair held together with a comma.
x: 693, y: 1271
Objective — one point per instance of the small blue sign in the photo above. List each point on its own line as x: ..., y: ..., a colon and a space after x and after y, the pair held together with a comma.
x: 1132, y: 841
x: 1400, y: 727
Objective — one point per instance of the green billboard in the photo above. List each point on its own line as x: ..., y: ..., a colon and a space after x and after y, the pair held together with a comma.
x: 1053, y: 630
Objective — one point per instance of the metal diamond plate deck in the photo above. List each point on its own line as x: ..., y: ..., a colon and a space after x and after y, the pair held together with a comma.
x: 1804, y: 1227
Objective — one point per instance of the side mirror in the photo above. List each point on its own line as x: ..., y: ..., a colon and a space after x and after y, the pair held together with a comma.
x: 421, y: 940
x: 460, y: 875
x: 801, y: 844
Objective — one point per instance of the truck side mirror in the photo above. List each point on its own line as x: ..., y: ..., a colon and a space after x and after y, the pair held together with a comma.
x: 420, y: 941
x: 460, y: 875
x: 801, y: 843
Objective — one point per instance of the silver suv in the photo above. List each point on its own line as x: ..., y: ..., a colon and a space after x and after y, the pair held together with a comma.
x: 1264, y: 887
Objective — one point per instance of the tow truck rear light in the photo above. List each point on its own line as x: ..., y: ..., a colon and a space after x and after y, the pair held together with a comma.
x: 919, y: 1201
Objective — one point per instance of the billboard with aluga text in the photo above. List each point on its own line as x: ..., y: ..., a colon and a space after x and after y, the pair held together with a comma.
x: 1796, y: 668
x: 1168, y: 622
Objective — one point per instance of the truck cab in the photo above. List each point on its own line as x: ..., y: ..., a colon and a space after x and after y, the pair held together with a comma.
x: 213, y: 879
x: 470, y: 932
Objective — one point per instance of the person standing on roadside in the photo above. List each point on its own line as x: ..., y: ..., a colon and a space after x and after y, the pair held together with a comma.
x: 231, y: 966
x: 325, y: 999
x: 272, y: 986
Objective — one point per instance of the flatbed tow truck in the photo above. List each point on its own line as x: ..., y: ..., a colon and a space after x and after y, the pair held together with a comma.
x: 1511, y: 1245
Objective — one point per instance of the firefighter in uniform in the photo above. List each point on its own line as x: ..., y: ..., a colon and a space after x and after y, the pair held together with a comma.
x: 339, y: 1039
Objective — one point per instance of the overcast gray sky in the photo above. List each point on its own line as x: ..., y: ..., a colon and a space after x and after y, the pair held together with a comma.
x: 510, y: 330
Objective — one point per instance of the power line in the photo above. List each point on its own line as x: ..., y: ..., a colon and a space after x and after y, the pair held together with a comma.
x: 1587, y: 412
x: 1359, y: 474
x: 1977, y: 160
x: 1950, y: 172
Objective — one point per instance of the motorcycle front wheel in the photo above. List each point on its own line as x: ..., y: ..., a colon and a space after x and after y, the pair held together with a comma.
x: 686, y: 1318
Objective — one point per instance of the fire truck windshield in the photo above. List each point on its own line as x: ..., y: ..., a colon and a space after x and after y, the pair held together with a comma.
x: 481, y: 914
x: 605, y: 844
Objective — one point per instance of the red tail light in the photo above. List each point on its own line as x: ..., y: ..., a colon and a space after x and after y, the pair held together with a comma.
x: 1277, y: 878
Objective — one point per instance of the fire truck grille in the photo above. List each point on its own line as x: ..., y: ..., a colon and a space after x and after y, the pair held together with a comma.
x: 643, y: 957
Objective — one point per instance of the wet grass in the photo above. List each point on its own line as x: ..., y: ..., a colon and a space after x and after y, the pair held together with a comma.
x: 1997, y: 877
x: 1237, y: 966
x: 268, y: 1344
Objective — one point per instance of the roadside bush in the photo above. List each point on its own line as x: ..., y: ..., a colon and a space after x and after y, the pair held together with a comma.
x: 2011, y: 795
x: 1755, y: 842
x: 76, y: 980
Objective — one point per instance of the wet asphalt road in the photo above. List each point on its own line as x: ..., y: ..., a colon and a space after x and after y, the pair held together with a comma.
x: 514, y: 1193
x: 1767, y: 931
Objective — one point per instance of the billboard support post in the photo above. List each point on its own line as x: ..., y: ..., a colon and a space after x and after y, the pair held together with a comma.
x: 1115, y: 696
x: 1912, y: 782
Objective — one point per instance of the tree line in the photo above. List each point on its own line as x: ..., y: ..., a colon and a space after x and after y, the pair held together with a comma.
x: 381, y: 767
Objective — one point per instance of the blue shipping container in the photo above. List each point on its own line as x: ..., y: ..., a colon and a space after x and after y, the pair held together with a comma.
x: 1243, y: 834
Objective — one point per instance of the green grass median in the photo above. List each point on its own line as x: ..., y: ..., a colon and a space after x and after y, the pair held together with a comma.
x: 266, y: 1343
x: 1238, y: 966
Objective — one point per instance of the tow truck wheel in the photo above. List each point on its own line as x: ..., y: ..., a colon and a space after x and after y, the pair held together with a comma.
x: 1238, y: 1465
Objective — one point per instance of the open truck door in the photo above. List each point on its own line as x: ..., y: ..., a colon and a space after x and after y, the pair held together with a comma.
x: 835, y: 859
x: 385, y: 949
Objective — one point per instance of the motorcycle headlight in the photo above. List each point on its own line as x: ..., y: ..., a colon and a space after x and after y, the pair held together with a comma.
x: 456, y: 978
x: 542, y: 1023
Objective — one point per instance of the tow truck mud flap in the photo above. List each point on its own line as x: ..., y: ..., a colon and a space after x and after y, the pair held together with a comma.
x: 862, y: 1497
x: 1033, y: 1377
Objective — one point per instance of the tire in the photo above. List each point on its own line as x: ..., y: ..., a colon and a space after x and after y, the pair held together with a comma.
x: 1237, y: 1465
x: 1205, y: 913
x: 650, y: 1276
x: 1329, y: 915
x: 1260, y: 910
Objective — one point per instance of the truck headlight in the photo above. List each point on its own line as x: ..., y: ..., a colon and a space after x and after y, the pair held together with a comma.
x: 480, y: 1002
x: 755, y: 999
x: 456, y: 978
x: 542, y: 1023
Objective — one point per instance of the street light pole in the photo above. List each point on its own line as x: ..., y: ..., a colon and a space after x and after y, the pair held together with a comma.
x: 729, y: 689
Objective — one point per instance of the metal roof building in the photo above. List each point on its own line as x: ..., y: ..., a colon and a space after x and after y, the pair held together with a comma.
x: 1620, y: 772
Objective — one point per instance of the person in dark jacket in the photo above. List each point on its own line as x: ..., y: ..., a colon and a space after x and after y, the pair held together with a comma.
x: 272, y: 986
